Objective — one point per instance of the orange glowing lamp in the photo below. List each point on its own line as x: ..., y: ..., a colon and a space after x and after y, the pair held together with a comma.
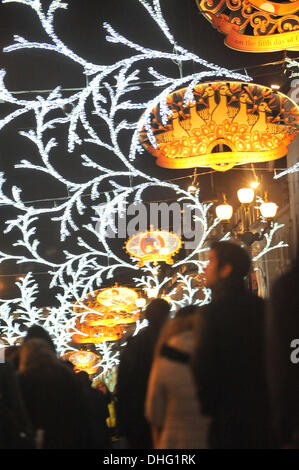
x: 225, y: 124
x: 85, y: 361
x: 104, y: 313
x: 255, y: 25
x: 153, y: 246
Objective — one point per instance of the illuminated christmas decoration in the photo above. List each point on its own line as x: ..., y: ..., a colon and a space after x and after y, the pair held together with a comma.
x: 103, y: 314
x: 222, y: 124
x: 154, y: 246
x: 94, y: 335
x: 85, y: 361
x: 255, y: 25
x: 96, y: 124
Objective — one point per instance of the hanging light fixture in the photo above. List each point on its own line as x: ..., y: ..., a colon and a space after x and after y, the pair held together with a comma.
x: 153, y: 246
x: 104, y: 313
x: 255, y: 25
x: 245, y: 195
x: 220, y: 125
x: 224, y: 211
x: 86, y: 361
x: 268, y: 209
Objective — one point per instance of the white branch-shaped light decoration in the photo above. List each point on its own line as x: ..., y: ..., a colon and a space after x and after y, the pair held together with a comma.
x: 111, y: 90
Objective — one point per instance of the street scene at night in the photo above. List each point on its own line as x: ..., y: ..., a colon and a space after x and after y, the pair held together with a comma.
x: 149, y: 241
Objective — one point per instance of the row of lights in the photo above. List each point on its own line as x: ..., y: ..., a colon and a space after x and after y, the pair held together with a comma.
x: 268, y: 209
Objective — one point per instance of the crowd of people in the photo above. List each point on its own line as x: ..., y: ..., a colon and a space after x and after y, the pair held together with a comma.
x: 218, y: 376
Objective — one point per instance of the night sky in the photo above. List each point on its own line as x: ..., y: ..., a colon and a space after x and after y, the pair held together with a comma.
x: 80, y: 28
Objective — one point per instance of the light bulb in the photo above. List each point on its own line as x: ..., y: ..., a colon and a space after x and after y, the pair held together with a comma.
x: 268, y: 210
x: 246, y: 195
x: 224, y: 211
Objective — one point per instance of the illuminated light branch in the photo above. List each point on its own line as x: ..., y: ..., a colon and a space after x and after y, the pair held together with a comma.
x: 292, y: 169
x: 111, y: 90
x: 269, y: 238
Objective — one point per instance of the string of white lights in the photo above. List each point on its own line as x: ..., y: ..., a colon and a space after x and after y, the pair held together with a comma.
x: 93, y: 127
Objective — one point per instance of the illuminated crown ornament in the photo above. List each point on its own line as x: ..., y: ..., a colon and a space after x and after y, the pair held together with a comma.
x: 153, y: 246
x: 255, y: 25
x: 220, y: 125
x: 104, y: 313
x: 85, y: 361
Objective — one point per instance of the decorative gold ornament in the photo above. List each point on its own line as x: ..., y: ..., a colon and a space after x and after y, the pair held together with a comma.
x: 153, y: 246
x: 225, y: 124
x: 96, y: 335
x: 117, y: 298
x: 116, y: 307
x: 255, y: 25
x: 85, y: 361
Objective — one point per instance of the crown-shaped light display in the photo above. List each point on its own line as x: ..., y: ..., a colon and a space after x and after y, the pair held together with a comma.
x: 85, y: 361
x: 96, y: 335
x: 153, y: 246
x: 116, y: 307
x: 220, y: 125
x: 255, y: 25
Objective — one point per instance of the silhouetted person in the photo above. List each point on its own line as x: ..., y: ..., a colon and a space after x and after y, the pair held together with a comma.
x: 53, y: 397
x: 15, y: 428
x: 38, y: 332
x: 229, y: 362
x: 98, y: 411
x: 283, y: 356
x: 172, y: 406
x: 133, y: 373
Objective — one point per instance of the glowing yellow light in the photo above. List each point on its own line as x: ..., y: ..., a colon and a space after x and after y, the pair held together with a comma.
x: 246, y: 195
x: 248, y: 34
x: 140, y: 302
x: 268, y: 210
x: 224, y: 211
x: 153, y: 246
x: 84, y: 361
x: 104, y: 314
x: 227, y: 124
x: 254, y: 184
x: 192, y: 189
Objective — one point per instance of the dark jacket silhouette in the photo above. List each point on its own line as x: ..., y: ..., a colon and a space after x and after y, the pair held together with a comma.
x: 54, y: 399
x: 133, y: 374
x: 283, y: 329
x: 15, y: 428
x: 229, y: 368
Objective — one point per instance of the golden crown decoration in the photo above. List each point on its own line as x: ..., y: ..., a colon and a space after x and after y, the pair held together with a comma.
x: 220, y: 125
x: 255, y: 25
x: 153, y: 246
x: 86, y: 361
x: 104, y: 313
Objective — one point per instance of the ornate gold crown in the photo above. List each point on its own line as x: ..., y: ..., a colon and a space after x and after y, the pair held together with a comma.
x: 83, y: 360
x: 153, y: 246
x: 221, y: 125
x: 116, y: 307
x: 255, y: 25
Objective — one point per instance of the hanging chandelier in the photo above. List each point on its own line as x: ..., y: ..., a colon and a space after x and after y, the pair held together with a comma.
x: 153, y: 246
x: 104, y: 314
x: 86, y: 361
x: 255, y: 25
x: 220, y: 125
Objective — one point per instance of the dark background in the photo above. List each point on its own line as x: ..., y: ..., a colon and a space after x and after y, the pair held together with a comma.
x: 80, y: 28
